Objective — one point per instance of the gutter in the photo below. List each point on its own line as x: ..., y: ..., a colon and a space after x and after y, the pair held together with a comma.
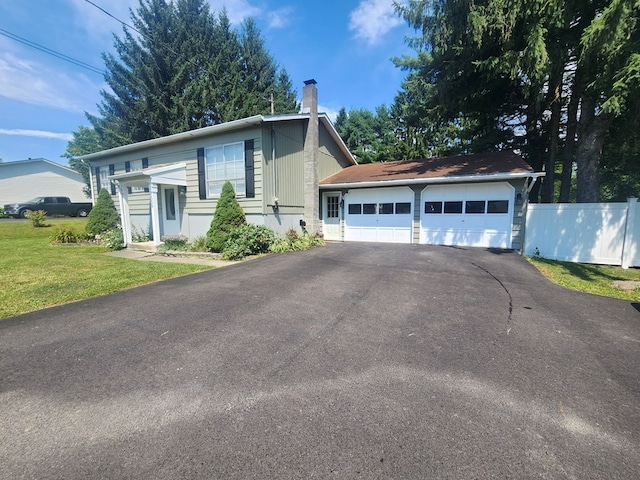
x: 178, y: 137
x: 436, y: 180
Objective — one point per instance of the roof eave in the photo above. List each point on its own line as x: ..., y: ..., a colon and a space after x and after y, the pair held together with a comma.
x: 453, y: 179
x: 178, y: 137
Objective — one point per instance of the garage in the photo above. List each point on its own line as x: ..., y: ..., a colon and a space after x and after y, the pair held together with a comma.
x: 379, y: 215
x: 474, y: 200
x: 471, y: 215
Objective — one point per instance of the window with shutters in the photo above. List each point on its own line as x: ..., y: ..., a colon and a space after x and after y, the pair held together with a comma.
x: 104, y: 177
x: 225, y: 163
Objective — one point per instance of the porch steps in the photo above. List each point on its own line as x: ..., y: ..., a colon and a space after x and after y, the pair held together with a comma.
x: 148, y: 247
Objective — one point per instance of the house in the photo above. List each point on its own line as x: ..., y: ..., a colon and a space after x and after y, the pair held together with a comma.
x: 170, y: 185
x: 468, y: 200
x: 23, y: 180
x: 293, y: 171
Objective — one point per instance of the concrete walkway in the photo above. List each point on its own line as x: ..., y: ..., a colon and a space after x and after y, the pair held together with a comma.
x: 169, y: 258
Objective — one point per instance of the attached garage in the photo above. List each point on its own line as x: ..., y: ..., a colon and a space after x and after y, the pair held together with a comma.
x: 379, y: 215
x: 467, y: 200
x: 472, y: 215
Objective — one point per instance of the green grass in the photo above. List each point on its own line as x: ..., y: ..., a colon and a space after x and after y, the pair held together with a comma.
x: 35, y: 274
x: 596, y: 279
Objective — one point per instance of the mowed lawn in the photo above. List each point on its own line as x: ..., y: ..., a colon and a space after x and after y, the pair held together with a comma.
x: 35, y: 274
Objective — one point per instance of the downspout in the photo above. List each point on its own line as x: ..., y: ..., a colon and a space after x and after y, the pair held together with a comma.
x: 273, y: 164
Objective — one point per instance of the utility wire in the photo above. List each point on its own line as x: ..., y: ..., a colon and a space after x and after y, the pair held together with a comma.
x: 115, y: 18
x: 44, y: 49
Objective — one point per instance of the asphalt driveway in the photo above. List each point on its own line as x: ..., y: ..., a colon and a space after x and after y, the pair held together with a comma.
x: 348, y: 361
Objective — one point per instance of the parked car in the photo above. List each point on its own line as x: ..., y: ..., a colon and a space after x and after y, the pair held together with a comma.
x: 51, y: 205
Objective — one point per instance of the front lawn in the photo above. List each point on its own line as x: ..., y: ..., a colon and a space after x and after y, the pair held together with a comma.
x: 603, y: 280
x: 36, y: 274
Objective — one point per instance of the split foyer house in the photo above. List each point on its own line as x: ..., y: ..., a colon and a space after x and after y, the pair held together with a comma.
x: 294, y: 170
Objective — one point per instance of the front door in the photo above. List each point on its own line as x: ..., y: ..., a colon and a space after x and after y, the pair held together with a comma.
x: 170, y: 213
x: 331, y: 216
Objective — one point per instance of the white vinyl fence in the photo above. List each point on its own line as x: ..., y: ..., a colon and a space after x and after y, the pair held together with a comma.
x: 605, y: 233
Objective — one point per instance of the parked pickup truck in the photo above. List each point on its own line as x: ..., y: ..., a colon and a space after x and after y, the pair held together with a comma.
x: 51, y: 205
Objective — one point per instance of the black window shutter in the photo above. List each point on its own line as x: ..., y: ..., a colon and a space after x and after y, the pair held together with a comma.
x: 98, y: 178
x: 145, y: 164
x: 249, y: 169
x: 202, y: 181
x: 112, y: 171
x: 127, y: 168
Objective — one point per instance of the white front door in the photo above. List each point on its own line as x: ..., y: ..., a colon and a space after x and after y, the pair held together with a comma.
x: 170, y: 213
x: 331, y: 216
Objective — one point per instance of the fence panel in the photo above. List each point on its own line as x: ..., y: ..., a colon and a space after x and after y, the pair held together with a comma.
x: 585, y: 232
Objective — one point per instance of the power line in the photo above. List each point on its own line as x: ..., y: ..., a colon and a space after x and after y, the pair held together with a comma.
x: 114, y: 17
x: 49, y: 51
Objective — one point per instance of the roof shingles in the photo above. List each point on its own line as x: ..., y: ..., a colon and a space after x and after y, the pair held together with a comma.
x: 456, y: 166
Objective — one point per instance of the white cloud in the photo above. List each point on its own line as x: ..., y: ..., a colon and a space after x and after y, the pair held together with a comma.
x: 99, y: 24
x: 280, y: 18
x: 331, y: 113
x: 237, y: 10
x: 36, y: 84
x: 36, y: 133
x: 372, y: 19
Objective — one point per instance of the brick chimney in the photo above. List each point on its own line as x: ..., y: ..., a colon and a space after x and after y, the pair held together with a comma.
x: 311, y: 146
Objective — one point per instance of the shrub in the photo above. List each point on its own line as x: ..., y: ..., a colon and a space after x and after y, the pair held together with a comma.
x: 37, y: 217
x: 174, y: 242
x: 112, y: 239
x: 103, y: 216
x: 66, y: 235
x: 139, y: 235
x: 2, y: 214
x: 198, y: 245
x: 293, y: 241
x: 227, y: 217
x: 248, y: 240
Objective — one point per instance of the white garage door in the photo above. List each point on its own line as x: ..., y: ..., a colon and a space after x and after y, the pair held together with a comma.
x: 473, y: 215
x: 379, y: 215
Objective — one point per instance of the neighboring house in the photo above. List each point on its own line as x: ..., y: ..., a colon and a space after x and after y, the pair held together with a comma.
x: 23, y: 180
x: 170, y: 185
x: 293, y: 171
x: 467, y: 200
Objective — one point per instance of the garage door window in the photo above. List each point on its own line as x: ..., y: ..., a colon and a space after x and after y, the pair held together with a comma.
x: 403, y: 208
x: 385, y: 208
x: 452, y: 207
x: 355, y: 209
x: 474, y: 206
x: 432, y: 207
x: 369, y: 208
x: 498, y: 206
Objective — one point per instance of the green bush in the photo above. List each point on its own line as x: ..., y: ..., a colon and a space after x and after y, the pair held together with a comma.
x: 174, y: 242
x: 103, y: 216
x: 2, y: 214
x: 112, y: 239
x: 67, y: 235
x: 248, y: 240
x: 198, y: 245
x: 139, y: 235
x: 293, y: 241
x: 227, y: 217
x: 37, y: 217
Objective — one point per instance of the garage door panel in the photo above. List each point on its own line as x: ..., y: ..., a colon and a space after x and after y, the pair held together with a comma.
x: 477, y: 224
x: 371, y: 215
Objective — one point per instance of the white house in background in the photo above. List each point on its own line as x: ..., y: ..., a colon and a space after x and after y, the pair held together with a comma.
x: 23, y: 180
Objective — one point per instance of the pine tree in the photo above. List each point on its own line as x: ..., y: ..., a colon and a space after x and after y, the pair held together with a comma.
x: 103, y: 216
x: 227, y: 217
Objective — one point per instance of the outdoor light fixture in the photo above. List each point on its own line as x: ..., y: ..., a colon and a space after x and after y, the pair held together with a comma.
x: 183, y: 190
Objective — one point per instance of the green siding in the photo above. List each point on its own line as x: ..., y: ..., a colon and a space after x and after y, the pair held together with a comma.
x: 330, y: 158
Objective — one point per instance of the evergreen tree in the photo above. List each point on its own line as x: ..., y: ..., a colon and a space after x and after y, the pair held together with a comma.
x: 227, y: 217
x: 103, y: 216
x: 185, y: 68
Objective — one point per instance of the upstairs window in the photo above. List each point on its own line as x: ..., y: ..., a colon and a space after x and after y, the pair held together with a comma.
x: 225, y: 163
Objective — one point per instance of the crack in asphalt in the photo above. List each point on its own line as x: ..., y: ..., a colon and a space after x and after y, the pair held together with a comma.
x: 505, y: 289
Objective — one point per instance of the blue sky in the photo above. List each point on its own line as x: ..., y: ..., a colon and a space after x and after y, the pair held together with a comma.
x: 344, y: 44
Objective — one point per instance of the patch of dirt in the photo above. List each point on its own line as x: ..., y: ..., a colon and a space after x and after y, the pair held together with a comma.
x: 626, y: 284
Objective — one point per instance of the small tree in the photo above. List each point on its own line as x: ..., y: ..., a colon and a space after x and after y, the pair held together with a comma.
x: 227, y: 217
x: 103, y: 216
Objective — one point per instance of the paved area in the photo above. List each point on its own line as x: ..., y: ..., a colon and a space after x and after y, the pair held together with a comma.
x: 348, y: 361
